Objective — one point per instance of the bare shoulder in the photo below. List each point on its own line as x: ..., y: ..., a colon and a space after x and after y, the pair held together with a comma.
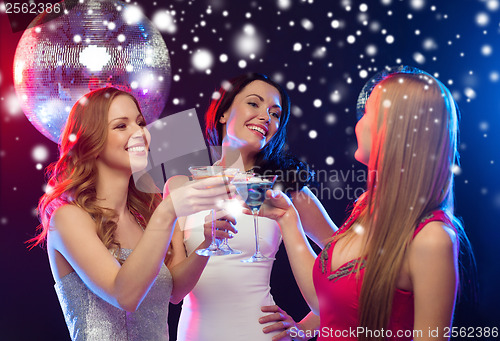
x: 173, y: 183
x: 71, y: 224
x: 69, y: 215
x: 435, y: 245
x: 434, y: 235
x: 434, y: 274
x: 71, y: 227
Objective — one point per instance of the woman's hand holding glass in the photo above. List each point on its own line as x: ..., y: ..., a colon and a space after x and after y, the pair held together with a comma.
x: 189, y: 197
x: 227, y: 174
x: 277, y: 206
x: 252, y: 189
x: 224, y: 225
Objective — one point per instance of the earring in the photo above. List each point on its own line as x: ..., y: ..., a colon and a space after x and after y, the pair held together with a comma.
x: 222, y: 120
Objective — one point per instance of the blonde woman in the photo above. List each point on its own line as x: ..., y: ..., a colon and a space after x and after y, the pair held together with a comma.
x: 107, y: 240
x: 391, y: 270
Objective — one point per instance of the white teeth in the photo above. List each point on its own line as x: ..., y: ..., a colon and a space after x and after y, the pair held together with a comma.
x: 137, y: 149
x: 260, y: 130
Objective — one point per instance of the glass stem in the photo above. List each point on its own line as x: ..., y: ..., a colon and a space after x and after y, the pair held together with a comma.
x: 255, y: 213
x: 213, y: 245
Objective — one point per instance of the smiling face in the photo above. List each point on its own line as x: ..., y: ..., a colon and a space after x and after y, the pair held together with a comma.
x: 127, y: 140
x: 366, y: 128
x: 253, y: 118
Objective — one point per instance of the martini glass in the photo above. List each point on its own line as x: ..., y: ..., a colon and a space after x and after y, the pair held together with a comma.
x: 252, y: 188
x: 207, y: 172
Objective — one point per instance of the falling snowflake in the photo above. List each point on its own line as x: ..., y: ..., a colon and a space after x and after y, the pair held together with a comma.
x: 223, y: 58
x: 202, y: 59
x: 331, y: 119
x: 132, y: 14
x: 417, y: 4
x: 371, y: 50
x: 12, y: 105
x: 429, y: 44
x: 469, y: 92
x: 335, y: 96
x: 307, y: 24
x: 319, y: 52
x: 284, y: 4
x: 419, y: 57
x: 482, y: 19
x: 248, y: 42
x: 164, y: 21
x: 296, y: 111
x: 456, y: 170
x: 40, y: 153
x: 492, y: 5
x: 313, y: 134
x: 486, y: 50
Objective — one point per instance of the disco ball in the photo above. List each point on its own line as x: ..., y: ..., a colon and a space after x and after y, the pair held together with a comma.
x: 89, y: 45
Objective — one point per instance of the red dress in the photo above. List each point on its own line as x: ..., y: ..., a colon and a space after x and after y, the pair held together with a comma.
x: 338, y: 294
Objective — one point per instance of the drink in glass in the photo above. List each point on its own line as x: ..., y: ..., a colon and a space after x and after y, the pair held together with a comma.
x: 204, y: 172
x: 252, y: 189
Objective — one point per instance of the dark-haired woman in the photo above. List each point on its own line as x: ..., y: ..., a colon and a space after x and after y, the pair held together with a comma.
x: 246, y: 124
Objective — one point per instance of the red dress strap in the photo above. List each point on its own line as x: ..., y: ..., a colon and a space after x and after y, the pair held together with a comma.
x: 437, y: 215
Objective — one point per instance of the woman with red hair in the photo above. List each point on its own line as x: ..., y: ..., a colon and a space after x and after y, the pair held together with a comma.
x: 107, y: 236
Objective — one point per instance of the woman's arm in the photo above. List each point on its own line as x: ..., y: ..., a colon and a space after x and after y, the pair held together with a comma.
x: 186, y: 270
x: 73, y: 235
x: 315, y: 220
x: 433, y: 266
x: 319, y: 227
x: 278, y: 207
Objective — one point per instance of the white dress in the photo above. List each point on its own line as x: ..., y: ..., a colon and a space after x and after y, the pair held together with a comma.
x: 225, y: 303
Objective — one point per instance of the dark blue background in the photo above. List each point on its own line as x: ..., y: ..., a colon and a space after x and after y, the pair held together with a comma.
x: 30, y: 310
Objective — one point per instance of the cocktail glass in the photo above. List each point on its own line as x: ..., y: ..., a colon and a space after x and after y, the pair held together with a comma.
x: 252, y: 189
x: 228, y: 174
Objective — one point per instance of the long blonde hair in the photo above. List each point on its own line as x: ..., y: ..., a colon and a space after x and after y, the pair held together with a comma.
x: 411, y: 161
x: 73, y: 178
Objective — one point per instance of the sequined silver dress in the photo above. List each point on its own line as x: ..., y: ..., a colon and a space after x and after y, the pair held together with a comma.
x: 90, y: 318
